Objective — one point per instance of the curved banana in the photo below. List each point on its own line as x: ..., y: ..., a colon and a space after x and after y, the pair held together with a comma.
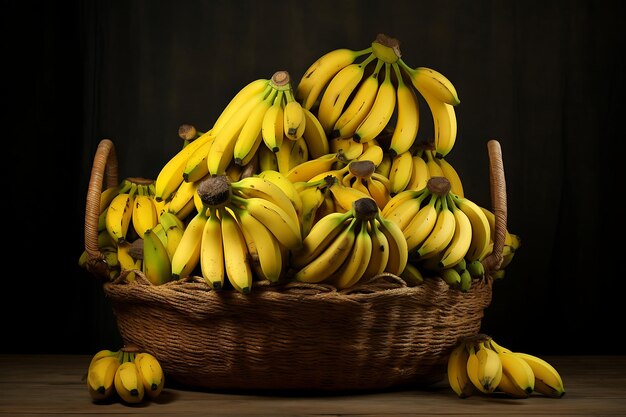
x: 445, y: 123
x: 359, y: 106
x: 225, y: 139
x: 355, y: 265
x: 434, y: 82
x: 144, y: 214
x: 312, y: 167
x: 317, y: 76
x: 151, y: 373
x: 384, y: 168
x: 448, y: 171
x: 457, y: 372
x: 345, y: 196
x: 278, y: 221
x: 294, y: 120
x: 484, y: 367
x: 442, y: 232
x: 481, y: 231
x: 420, y: 227
x: 419, y: 173
x: 212, y: 252
x: 371, y: 152
x: 236, y: 259
x: 548, y: 381
x: 109, y: 194
x: 331, y: 256
x: 181, y: 198
x: 196, y: 166
x: 401, y: 172
x: 187, y: 255
x: 285, y: 185
x: 412, y: 275
x: 257, y: 186
x: 239, y: 101
x: 156, y: 263
x: 128, y: 383
x: 312, y: 198
x: 171, y: 175
x: 101, y: 376
x: 380, y: 251
x: 349, y: 149
x: 379, y: 115
x: 267, y: 159
x: 314, y: 135
x: 403, y: 213
x: 119, y: 214
x: 407, y: 122
x: 378, y: 188
x: 272, y: 129
x: 398, y: 199
x: 518, y: 379
x: 461, y: 239
x: 398, y: 251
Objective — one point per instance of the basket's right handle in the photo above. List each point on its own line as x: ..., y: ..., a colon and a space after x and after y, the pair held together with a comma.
x: 499, y: 203
x: 104, y: 167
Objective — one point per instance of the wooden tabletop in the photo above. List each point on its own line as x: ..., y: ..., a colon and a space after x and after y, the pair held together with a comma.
x: 36, y: 385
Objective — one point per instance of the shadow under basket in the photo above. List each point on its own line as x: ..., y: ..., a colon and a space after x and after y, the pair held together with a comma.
x: 297, y: 336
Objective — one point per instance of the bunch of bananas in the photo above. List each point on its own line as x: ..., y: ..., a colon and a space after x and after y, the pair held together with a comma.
x: 479, y: 364
x: 344, y: 247
x: 355, y: 95
x: 131, y: 374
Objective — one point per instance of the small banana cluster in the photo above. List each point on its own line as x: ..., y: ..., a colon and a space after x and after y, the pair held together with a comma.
x: 356, y: 93
x: 444, y: 232
x: 343, y: 248
x: 129, y: 373
x: 479, y: 364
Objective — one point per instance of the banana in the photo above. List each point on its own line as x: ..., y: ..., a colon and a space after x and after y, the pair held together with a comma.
x: 156, y: 263
x: 422, y: 224
x: 484, y: 367
x: 267, y: 159
x: 403, y: 213
x: 263, y: 247
x: 345, y: 196
x: 355, y: 265
x: 257, y: 186
x: 151, y: 373
x: 461, y: 239
x: 171, y: 175
x: 294, y: 120
x: 378, y: 187
x: 358, y: 107
x: 442, y: 232
x: 476, y: 268
x: 285, y: 185
x: 321, y: 235
x: 239, y: 101
x: 331, y: 256
x: 466, y: 280
x: 309, y: 169
x: 481, y: 231
x: 398, y: 199
x: 101, y: 375
x: 419, y: 173
x: 299, y: 152
x: 407, y: 123
x: 451, y: 276
x: 371, y: 152
x: 433, y: 82
x: 548, y: 381
x: 379, y: 115
x: 448, y: 171
x: 212, y: 252
x: 283, y: 156
x: 187, y: 253
x: 384, y: 168
x: 312, y: 198
x: 173, y: 229
x: 144, y: 214
x: 434, y: 169
x: 398, y: 251
x: 181, y: 198
x: 518, y: 379
x: 222, y: 150
x: 380, y: 251
x: 128, y: 383
x: 278, y: 221
x: 412, y: 275
x: 196, y: 166
x: 250, y: 136
x: 401, y: 172
x: 347, y: 147
x: 103, y: 353
x: 236, y: 259
x: 317, y: 76
x: 109, y: 194
x: 272, y: 129
x: 445, y: 123
x: 458, y: 377
x: 119, y: 214
x: 314, y: 135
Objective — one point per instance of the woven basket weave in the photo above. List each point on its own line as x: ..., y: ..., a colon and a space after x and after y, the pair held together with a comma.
x: 378, y: 334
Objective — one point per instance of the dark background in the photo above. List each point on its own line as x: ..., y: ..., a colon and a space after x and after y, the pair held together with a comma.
x: 545, y: 78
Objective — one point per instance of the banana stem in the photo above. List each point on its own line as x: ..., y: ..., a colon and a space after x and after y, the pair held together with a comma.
x: 215, y: 191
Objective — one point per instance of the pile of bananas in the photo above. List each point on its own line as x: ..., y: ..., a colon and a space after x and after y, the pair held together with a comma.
x: 129, y: 373
x: 479, y: 364
x: 324, y: 182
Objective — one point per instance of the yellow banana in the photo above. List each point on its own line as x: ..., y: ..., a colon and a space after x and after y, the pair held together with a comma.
x: 398, y: 251
x: 407, y: 122
x: 101, y: 376
x: 419, y: 173
x: 481, y: 231
x: 314, y: 135
x: 419, y: 228
x: 272, y: 129
x: 461, y: 239
x: 317, y: 76
x: 156, y: 263
x: 548, y: 381
x: 128, y: 383
x: 212, y: 252
x: 312, y: 198
x: 379, y: 115
x: 187, y: 253
x: 181, y: 197
x: 119, y: 214
x: 445, y: 123
x: 484, y: 367
x: 378, y: 187
x: 448, y: 171
x: 144, y: 214
x: 355, y: 265
x: 435, y: 83
x: 442, y: 232
x: 401, y: 171
x: 257, y: 186
x: 236, y: 259
x: 196, y: 166
x: 151, y: 373
x: 372, y: 153
x: 518, y: 379
x: 349, y: 149
x: 344, y: 196
x: 312, y: 167
x: 267, y: 159
x: 250, y: 136
x: 380, y: 251
x: 457, y: 371
x: 239, y: 101
x: 294, y: 120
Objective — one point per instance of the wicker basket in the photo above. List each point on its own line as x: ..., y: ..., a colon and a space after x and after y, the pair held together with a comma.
x: 379, y: 334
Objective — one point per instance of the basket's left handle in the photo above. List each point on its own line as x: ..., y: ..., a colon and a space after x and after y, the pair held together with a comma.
x: 104, y: 168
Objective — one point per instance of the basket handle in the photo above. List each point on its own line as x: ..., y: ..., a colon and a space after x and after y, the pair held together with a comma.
x: 104, y: 167
x: 499, y: 202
